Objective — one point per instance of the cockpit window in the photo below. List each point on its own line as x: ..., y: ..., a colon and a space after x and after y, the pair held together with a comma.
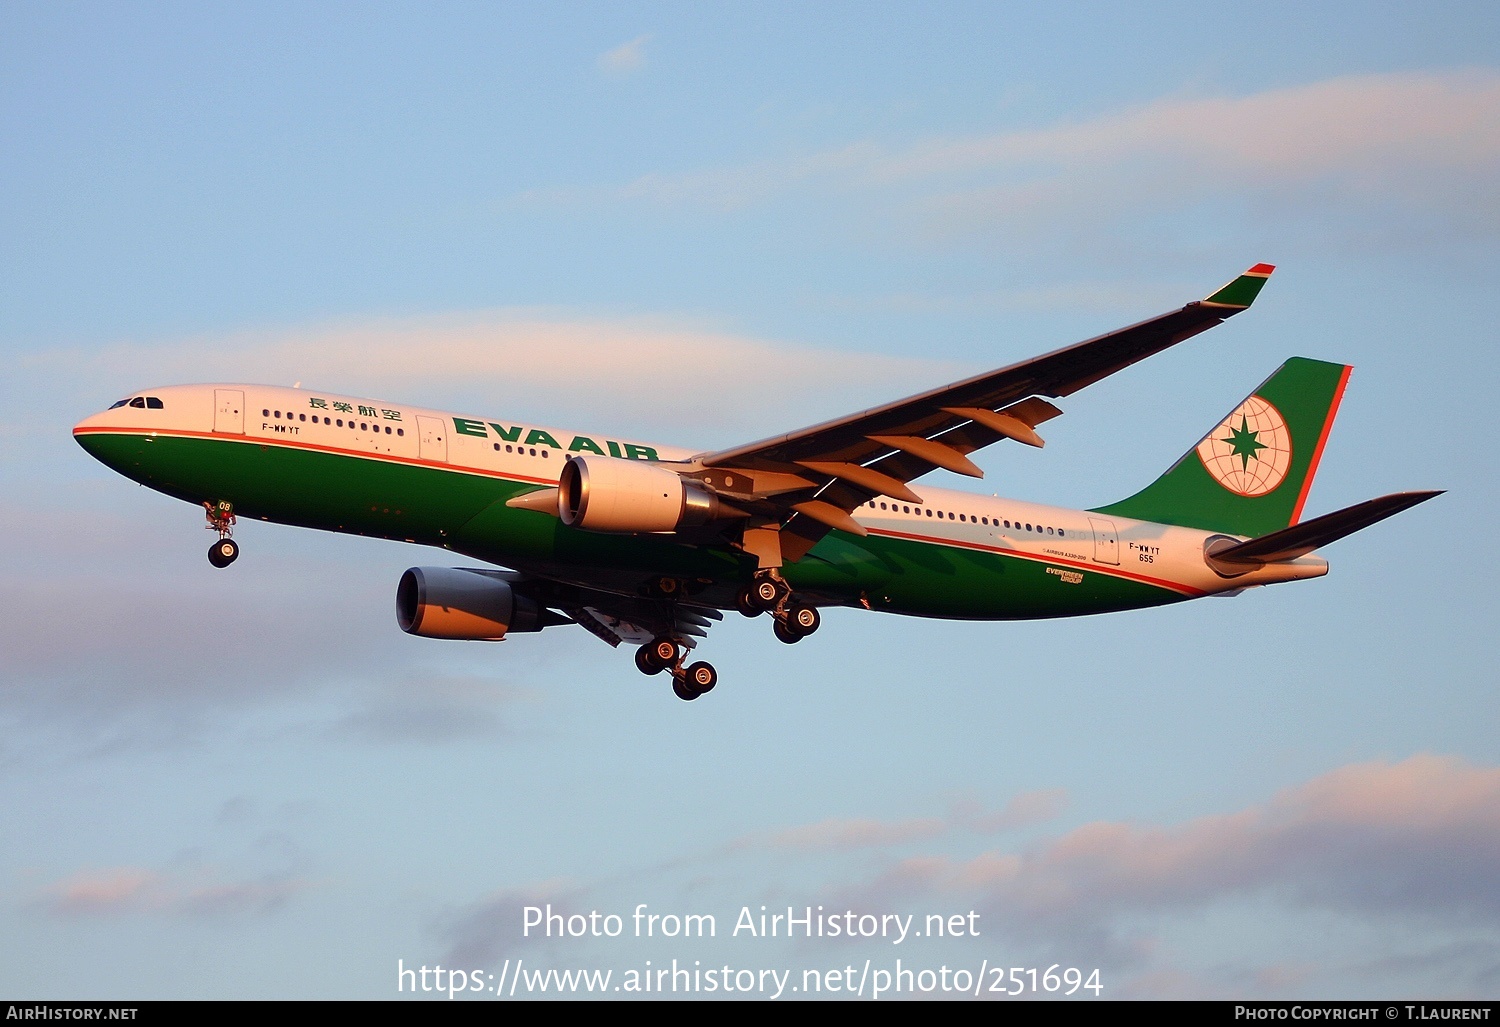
x: 116, y: 406
x: 139, y: 402
x: 152, y: 403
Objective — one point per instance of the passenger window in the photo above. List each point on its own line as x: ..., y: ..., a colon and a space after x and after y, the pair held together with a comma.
x: 152, y: 403
x: 265, y: 413
x: 341, y: 422
x: 1049, y: 531
x: 402, y: 431
x: 301, y: 417
x: 544, y: 454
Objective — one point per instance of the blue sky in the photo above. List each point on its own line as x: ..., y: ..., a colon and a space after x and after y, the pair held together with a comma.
x: 704, y: 224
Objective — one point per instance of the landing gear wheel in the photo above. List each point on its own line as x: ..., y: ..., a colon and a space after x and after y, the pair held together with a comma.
x: 701, y: 677
x: 767, y: 593
x: 803, y: 620
x: 223, y: 552
x: 662, y: 652
x: 645, y: 661
x: 748, y: 603
x: 683, y: 690
x: 784, y: 634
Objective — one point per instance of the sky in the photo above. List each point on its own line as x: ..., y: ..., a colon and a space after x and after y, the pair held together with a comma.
x: 705, y: 224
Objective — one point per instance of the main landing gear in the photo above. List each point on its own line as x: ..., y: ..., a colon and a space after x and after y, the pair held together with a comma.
x: 220, y: 517
x: 794, y: 618
x: 664, y: 653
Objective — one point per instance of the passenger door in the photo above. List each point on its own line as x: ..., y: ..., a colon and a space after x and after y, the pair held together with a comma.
x: 434, y: 439
x: 1106, y: 541
x: 229, y: 411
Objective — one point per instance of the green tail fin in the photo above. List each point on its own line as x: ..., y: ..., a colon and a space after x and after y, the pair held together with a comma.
x: 1251, y: 474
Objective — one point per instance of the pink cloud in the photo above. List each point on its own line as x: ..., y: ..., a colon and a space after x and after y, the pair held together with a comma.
x: 1420, y: 834
x: 125, y: 890
x: 859, y: 833
x: 104, y: 891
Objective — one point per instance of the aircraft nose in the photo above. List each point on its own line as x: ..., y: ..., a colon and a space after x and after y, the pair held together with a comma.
x: 93, y: 422
x: 92, y: 433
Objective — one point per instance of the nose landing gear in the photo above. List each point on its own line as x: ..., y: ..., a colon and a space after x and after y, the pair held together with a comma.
x: 220, y: 518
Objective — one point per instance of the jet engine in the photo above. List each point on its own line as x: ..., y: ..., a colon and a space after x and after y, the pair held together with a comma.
x: 450, y: 602
x: 608, y: 494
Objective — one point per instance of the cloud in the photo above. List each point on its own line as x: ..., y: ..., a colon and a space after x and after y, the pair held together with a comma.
x: 483, y: 932
x: 1417, y: 837
x: 131, y: 631
x: 132, y: 890
x: 1327, y: 148
x: 1423, y: 149
x: 853, y: 834
x: 1396, y: 859
x: 626, y: 58
x: 669, y: 376
x: 864, y: 832
x: 434, y: 708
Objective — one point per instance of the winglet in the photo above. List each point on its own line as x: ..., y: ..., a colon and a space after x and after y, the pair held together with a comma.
x: 1242, y: 291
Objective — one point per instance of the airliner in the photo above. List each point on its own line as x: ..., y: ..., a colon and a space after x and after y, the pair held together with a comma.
x: 648, y: 545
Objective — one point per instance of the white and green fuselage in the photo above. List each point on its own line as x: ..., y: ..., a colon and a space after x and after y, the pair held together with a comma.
x: 435, y: 478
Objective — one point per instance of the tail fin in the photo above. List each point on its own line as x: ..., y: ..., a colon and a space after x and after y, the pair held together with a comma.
x: 1251, y: 474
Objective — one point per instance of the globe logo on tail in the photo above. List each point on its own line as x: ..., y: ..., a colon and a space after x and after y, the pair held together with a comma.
x: 1250, y: 452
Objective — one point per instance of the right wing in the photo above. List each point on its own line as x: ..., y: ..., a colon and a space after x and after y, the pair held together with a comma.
x: 808, y: 482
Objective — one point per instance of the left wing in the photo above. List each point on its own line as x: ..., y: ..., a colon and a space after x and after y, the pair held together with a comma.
x: 607, y: 615
x: 804, y: 484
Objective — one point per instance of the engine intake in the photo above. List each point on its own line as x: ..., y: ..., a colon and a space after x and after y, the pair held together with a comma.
x: 606, y: 494
x: 450, y: 602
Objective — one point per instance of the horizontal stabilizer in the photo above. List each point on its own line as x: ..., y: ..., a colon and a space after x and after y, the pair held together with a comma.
x: 1301, y: 539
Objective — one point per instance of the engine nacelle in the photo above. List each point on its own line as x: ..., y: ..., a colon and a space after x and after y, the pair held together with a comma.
x: 600, y: 493
x: 449, y: 602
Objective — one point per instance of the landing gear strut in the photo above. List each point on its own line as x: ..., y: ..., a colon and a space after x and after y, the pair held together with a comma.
x: 769, y: 592
x: 665, y: 653
x: 220, y: 518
